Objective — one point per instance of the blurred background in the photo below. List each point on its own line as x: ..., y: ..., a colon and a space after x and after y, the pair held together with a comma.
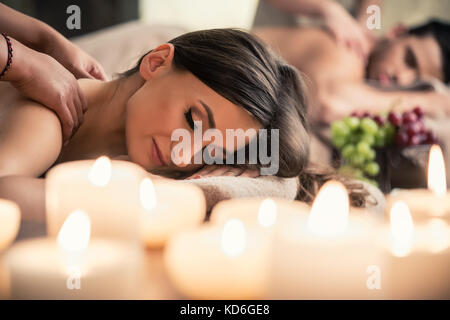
x: 203, y: 14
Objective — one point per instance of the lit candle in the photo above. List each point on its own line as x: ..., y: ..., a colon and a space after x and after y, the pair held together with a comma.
x: 106, y: 190
x: 9, y: 222
x: 168, y: 207
x: 431, y: 202
x: 212, y: 262
x: 417, y: 256
x: 74, y: 266
x: 265, y: 213
x: 324, y: 254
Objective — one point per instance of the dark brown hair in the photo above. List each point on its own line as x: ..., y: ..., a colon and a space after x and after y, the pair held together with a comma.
x: 239, y: 67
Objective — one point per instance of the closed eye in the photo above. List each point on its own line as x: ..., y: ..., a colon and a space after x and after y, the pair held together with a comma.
x: 189, y: 119
x: 410, y: 58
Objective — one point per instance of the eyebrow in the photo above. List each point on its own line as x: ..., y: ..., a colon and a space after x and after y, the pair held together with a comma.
x: 212, y: 123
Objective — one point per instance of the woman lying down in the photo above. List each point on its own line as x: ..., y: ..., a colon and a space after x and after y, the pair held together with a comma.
x: 224, y: 78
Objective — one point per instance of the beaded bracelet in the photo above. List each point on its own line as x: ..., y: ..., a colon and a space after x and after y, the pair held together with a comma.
x: 10, y: 55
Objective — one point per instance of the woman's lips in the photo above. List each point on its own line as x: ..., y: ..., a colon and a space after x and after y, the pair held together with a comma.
x: 157, y: 155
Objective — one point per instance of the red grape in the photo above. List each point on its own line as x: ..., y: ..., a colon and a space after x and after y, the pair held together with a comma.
x: 366, y: 114
x: 401, y: 138
x: 431, y: 137
x: 414, y: 128
x: 409, y: 117
x: 395, y: 119
x: 419, y: 112
x: 378, y: 119
x: 356, y: 114
x: 414, y: 140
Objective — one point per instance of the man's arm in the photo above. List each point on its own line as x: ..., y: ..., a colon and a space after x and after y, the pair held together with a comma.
x: 340, y: 99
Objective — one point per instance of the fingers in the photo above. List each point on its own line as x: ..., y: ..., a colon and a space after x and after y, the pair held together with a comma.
x: 83, y: 101
x: 80, y: 73
x: 250, y: 173
x: 213, y: 171
x: 66, y: 121
x: 98, y: 72
x: 73, y: 112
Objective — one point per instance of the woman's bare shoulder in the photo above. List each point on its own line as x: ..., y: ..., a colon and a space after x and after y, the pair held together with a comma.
x: 30, y: 137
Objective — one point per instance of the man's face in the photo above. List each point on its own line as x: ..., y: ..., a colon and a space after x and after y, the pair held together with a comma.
x: 405, y: 59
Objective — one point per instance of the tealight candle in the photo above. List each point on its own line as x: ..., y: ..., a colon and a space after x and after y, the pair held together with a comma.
x: 9, y: 222
x: 106, y: 190
x: 168, y: 207
x: 212, y: 262
x: 74, y: 266
x: 324, y: 254
x: 417, y: 257
x: 431, y: 202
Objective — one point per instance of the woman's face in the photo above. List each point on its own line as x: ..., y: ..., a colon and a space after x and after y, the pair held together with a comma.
x: 405, y: 59
x: 170, y: 100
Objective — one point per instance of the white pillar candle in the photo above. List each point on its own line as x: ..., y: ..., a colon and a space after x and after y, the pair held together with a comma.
x: 168, y: 207
x: 107, y: 190
x: 219, y: 263
x: 73, y: 267
x: 417, y: 256
x: 324, y: 254
x: 9, y: 222
x: 431, y: 202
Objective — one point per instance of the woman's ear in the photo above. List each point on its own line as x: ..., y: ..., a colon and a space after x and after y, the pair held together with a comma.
x: 161, y: 56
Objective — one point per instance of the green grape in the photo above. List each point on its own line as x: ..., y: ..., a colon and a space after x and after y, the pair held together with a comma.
x: 369, y: 126
x: 348, y: 151
x: 368, y: 138
x: 372, y: 168
x: 352, y: 123
x: 358, y: 174
x: 363, y: 148
x: 339, y: 129
x: 357, y: 160
x: 390, y: 133
x: 371, y: 155
x: 346, y: 170
x: 339, y: 141
x: 380, y: 137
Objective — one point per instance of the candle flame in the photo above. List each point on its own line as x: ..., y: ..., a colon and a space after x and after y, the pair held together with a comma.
x: 267, y: 214
x: 75, y: 232
x: 402, y: 229
x: 233, y: 238
x: 329, y: 212
x: 436, y: 171
x: 147, y: 194
x: 100, y: 173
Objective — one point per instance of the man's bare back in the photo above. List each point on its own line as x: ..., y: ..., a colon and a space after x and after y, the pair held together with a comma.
x: 314, y: 52
x: 338, y: 76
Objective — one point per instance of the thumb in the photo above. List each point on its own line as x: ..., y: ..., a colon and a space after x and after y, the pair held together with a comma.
x: 81, y: 73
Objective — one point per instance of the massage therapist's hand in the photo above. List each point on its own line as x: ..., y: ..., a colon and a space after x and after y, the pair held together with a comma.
x: 74, y: 59
x: 223, y: 170
x: 41, y: 78
x: 346, y: 30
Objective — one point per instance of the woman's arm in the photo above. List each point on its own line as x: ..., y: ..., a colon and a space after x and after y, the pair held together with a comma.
x: 30, y: 139
x: 30, y: 142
